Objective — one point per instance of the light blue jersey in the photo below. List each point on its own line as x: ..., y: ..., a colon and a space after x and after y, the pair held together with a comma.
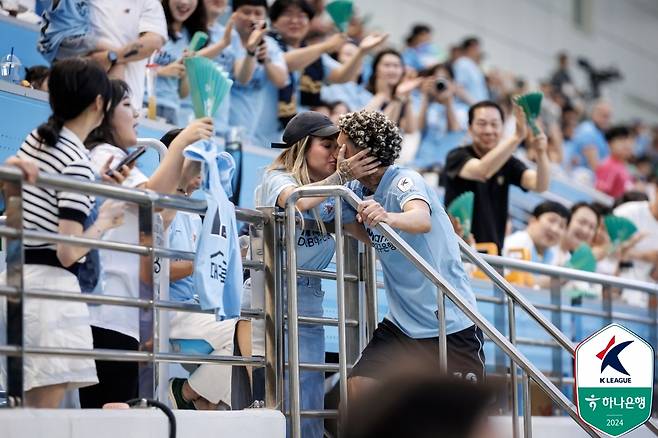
x: 588, y: 134
x: 351, y: 94
x: 166, y: 87
x: 411, y: 296
x: 248, y: 100
x: 269, y: 127
x: 469, y: 75
x: 314, y: 249
x: 184, y: 231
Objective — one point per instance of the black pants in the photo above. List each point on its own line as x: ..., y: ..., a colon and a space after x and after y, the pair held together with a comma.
x: 390, y: 346
x: 117, y: 381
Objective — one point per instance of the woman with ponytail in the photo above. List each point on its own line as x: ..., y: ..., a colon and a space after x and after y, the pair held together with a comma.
x: 79, y: 93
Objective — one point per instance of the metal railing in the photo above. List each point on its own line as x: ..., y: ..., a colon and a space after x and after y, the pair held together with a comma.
x: 486, y: 262
x: 147, y: 203
x: 356, y: 280
x: 530, y: 372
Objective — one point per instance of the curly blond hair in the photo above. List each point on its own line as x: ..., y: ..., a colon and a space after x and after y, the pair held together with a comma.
x: 372, y: 129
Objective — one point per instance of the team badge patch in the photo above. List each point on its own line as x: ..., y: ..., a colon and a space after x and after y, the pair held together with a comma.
x: 405, y: 184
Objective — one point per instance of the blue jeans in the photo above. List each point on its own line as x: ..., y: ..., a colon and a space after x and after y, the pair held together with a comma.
x: 311, y: 349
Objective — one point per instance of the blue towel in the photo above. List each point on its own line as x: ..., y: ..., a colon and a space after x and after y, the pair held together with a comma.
x: 218, y: 262
x: 66, y: 30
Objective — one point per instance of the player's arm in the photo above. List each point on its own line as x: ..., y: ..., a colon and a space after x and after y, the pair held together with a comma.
x: 357, y: 231
x: 415, y: 217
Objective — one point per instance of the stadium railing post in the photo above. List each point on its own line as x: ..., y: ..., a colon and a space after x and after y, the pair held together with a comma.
x: 273, y: 261
x: 147, y: 316
x: 293, y: 323
x: 443, y: 345
x: 511, y: 319
x: 370, y: 291
x: 15, y: 303
x: 556, y: 319
x: 527, y: 407
x: 341, y: 299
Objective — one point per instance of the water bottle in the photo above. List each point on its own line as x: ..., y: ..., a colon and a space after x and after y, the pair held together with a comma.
x: 10, y: 68
x: 234, y: 139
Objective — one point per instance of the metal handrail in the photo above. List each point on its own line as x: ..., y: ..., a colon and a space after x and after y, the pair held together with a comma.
x: 147, y: 202
x: 570, y: 274
x: 443, y: 287
x: 138, y: 196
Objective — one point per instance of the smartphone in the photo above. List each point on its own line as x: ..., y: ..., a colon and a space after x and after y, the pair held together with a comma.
x: 128, y: 159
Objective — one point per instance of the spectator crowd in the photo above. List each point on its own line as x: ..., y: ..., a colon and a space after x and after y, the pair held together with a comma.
x: 286, y: 58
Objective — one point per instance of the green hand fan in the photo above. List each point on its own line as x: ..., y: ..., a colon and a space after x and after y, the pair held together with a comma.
x: 341, y: 12
x: 531, y: 104
x: 582, y: 259
x: 198, y: 40
x: 619, y: 228
x: 209, y: 84
x: 462, y: 208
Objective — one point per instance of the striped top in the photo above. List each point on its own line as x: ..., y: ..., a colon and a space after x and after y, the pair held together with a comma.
x: 43, y: 208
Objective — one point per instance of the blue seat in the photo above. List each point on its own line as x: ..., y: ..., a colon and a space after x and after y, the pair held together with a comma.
x: 191, y: 347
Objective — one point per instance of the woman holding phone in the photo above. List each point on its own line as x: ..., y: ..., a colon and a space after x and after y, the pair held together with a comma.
x: 115, y: 327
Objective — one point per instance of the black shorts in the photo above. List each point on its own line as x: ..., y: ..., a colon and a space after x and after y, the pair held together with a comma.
x: 390, y: 345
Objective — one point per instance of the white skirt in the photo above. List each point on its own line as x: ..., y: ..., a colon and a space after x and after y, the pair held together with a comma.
x: 54, y: 324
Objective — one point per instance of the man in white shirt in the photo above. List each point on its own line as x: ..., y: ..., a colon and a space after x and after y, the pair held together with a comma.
x: 134, y: 29
x: 642, y: 260
x: 545, y: 229
x: 468, y: 73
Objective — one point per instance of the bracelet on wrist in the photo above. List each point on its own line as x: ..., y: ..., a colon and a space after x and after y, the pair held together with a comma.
x: 251, y: 53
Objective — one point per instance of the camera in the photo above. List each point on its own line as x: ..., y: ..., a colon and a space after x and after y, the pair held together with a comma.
x: 441, y: 85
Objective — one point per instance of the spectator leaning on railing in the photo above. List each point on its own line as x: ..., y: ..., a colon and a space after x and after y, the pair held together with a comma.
x: 209, y: 387
x: 488, y: 168
x: 401, y: 198
x: 311, y: 157
x: 116, y: 327
x: 79, y: 94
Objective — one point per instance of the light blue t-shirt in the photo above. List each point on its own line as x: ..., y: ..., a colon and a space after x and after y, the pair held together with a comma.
x: 166, y: 87
x: 351, y: 94
x: 411, y: 296
x: 436, y: 140
x: 469, y: 75
x: 587, y: 134
x: 249, y: 100
x: 314, y: 249
x: 269, y: 127
x: 226, y: 60
x: 183, y: 233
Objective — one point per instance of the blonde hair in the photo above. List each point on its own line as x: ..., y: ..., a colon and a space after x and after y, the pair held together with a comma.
x: 293, y: 161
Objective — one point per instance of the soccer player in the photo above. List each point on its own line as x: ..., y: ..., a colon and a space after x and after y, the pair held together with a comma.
x: 399, y: 197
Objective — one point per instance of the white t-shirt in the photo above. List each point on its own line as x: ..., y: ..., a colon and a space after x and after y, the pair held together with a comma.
x: 522, y: 240
x: 119, y: 22
x: 120, y: 270
x: 640, y: 214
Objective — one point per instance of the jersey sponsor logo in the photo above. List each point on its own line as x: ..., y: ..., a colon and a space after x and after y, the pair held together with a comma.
x: 309, y: 238
x: 218, y: 268
x: 405, y: 184
x: 379, y: 242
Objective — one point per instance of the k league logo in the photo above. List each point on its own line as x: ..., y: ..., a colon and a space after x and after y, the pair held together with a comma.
x: 614, y: 371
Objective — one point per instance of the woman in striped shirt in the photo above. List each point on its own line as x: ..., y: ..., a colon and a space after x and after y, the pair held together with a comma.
x: 79, y: 93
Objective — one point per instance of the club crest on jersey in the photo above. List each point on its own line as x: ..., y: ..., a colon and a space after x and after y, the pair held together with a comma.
x: 405, y: 184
